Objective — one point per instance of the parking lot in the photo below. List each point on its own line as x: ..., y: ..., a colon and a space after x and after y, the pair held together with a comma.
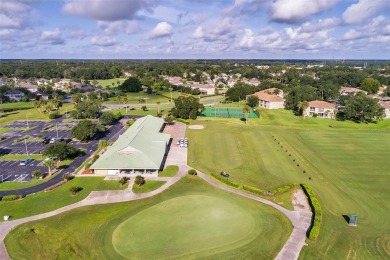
x: 12, y: 171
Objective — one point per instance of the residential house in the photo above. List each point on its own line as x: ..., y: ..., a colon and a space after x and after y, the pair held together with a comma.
x: 14, y: 95
x: 386, y: 106
x: 30, y: 87
x: 43, y: 81
x: 271, y: 98
x: 206, y: 89
x: 320, y: 109
x: 346, y: 91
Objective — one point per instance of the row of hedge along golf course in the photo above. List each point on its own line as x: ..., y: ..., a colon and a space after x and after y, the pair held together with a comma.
x: 347, y: 163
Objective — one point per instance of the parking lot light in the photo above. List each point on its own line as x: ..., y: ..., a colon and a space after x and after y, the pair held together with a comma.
x: 25, y: 143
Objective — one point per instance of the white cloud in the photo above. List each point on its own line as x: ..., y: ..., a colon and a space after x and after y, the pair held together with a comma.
x: 103, y: 41
x: 364, y: 9
x: 289, y: 11
x: 198, y: 33
x: 14, y: 14
x: 126, y: 27
x: 162, y: 29
x: 52, y: 37
x: 220, y: 31
x: 106, y: 10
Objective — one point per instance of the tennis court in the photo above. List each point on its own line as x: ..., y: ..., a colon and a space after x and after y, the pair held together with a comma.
x: 228, y: 112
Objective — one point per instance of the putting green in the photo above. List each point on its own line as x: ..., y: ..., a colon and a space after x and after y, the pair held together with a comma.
x: 189, y: 225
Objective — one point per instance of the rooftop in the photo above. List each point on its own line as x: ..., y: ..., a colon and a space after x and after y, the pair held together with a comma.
x: 321, y: 104
x: 142, y: 146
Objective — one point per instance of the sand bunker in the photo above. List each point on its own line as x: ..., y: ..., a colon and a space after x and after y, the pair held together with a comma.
x: 197, y: 127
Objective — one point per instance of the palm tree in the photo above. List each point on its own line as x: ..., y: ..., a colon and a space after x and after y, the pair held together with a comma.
x: 246, y: 110
x: 37, y: 104
x: 302, y: 105
x: 49, y: 163
x: 158, y: 106
x: 170, y: 90
x: 77, y: 98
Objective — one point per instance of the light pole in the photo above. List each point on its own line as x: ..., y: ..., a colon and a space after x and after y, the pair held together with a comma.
x: 27, y: 120
x: 57, y: 130
x: 25, y: 143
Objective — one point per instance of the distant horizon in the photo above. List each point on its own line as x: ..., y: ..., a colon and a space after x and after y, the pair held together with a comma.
x: 187, y: 30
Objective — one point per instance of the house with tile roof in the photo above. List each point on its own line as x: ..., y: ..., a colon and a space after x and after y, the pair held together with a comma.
x: 271, y: 98
x: 320, y: 108
x: 138, y: 151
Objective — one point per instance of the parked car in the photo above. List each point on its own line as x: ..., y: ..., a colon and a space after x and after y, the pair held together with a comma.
x: 25, y: 162
x: 225, y: 174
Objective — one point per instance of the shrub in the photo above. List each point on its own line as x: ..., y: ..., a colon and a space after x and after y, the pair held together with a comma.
x: 192, y: 172
x: 283, y: 189
x: 226, y: 181
x: 95, y: 157
x: 37, y: 174
x: 11, y: 197
x: 139, y: 180
x: 54, y: 116
x: 67, y: 177
x: 183, y: 121
x: 74, y: 190
x: 317, y: 212
x: 253, y: 189
x: 123, y: 180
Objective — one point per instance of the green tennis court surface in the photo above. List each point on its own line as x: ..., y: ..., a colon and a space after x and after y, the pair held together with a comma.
x: 228, y: 112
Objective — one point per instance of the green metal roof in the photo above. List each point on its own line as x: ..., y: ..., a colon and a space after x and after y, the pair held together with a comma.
x: 142, y: 146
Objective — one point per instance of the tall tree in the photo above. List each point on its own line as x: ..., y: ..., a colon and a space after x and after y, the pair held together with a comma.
x: 252, y: 101
x: 361, y: 108
x: 132, y: 84
x: 84, y: 131
x: 370, y: 85
x: 246, y: 110
x: 302, y: 105
x: 187, y: 107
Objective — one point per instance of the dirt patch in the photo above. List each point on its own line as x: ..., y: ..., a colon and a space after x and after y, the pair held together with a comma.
x: 196, y: 127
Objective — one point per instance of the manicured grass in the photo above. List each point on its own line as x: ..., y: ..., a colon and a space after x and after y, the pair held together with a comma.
x: 169, y: 171
x: 107, y: 83
x: 133, y: 98
x: 189, y: 220
x: 16, y: 105
x: 47, y: 201
x: 17, y: 157
x: 138, y: 112
x: 348, y: 163
x: 30, y: 114
x: 150, y: 185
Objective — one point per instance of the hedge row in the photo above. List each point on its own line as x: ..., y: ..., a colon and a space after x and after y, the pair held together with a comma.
x: 283, y: 189
x: 11, y: 197
x: 183, y: 121
x: 225, y: 180
x: 55, y: 186
x: 317, y: 212
x: 253, y: 189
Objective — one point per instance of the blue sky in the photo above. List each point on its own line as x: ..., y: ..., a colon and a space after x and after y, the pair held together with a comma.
x: 205, y: 29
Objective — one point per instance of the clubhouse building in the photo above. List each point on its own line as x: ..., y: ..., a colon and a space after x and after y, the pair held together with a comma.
x: 138, y: 151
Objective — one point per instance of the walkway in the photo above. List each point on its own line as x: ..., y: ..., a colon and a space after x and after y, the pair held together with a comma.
x: 300, y: 217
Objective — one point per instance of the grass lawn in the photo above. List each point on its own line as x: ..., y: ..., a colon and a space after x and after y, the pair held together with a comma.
x: 16, y: 105
x: 30, y: 114
x: 133, y: 98
x: 138, y: 112
x: 150, y: 185
x: 189, y: 220
x: 20, y: 185
x: 348, y: 164
x: 107, y: 83
x: 16, y: 157
x: 57, y: 198
x: 169, y: 171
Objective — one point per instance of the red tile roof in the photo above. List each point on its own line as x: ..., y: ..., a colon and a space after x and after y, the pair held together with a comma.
x: 321, y: 104
x: 267, y: 97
